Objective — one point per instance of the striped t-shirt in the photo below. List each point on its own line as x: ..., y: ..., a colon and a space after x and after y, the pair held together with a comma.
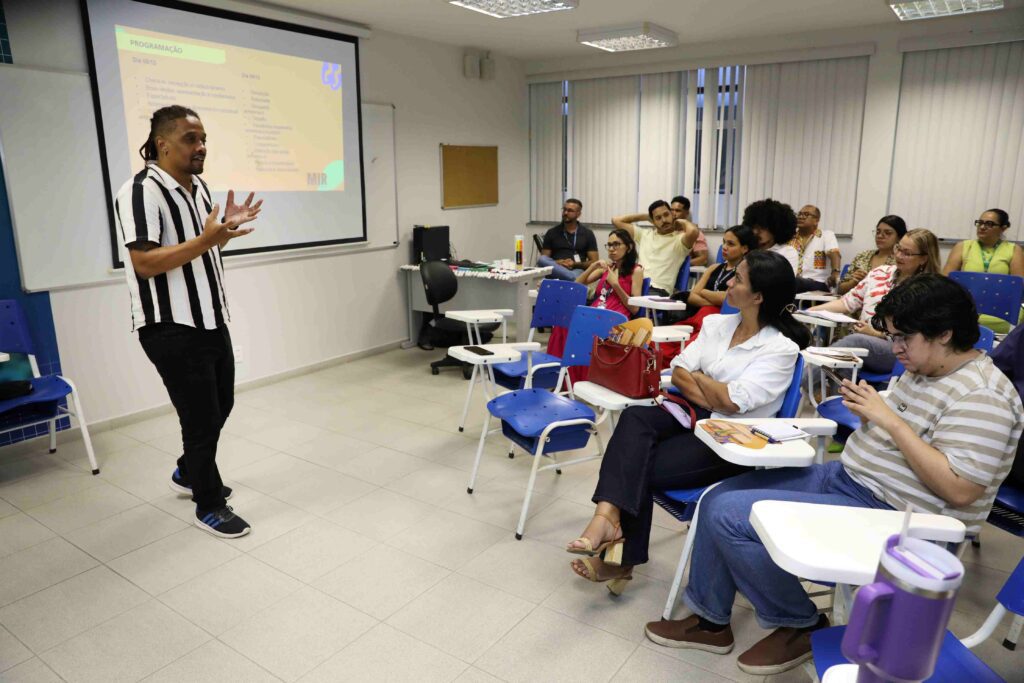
x: 153, y: 207
x: 973, y: 416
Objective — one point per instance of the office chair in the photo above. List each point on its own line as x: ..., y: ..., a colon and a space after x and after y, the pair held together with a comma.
x: 439, y: 286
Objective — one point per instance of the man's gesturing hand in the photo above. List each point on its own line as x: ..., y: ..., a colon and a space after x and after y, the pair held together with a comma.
x: 216, y: 232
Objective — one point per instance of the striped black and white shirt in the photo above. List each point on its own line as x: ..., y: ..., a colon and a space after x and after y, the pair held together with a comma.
x: 153, y: 207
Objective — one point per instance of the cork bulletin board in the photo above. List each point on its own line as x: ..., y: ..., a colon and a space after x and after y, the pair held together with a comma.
x: 469, y: 176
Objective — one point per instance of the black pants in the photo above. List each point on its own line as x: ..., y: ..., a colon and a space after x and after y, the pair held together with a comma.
x: 649, y: 451
x: 198, y: 369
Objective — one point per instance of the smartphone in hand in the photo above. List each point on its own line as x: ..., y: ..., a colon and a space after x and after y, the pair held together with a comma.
x: 833, y: 375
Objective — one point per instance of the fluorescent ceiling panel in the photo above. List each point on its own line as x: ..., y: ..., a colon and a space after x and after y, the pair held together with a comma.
x: 645, y: 36
x: 930, y: 9
x: 502, y: 9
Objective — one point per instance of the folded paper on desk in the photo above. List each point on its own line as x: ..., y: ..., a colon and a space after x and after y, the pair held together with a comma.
x: 831, y: 316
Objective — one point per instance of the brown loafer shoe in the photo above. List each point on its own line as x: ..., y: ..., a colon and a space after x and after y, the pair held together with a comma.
x: 687, y: 634
x: 782, y: 650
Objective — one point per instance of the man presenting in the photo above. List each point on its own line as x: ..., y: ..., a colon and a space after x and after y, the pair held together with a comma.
x: 569, y: 246
x: 176, y: 280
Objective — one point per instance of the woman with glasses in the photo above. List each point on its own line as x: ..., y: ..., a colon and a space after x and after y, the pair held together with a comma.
x: 989, y: 253
x: 618, y: 277
x: 888, y: 232
x: 917, y: 252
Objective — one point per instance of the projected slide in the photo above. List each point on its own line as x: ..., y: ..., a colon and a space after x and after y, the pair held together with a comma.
x: 275, y: 118
x: 279, y: 102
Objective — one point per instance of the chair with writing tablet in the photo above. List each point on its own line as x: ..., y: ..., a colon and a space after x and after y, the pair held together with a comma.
x: 996, y: 295
x: 46, y: 403
x: 545, y: 423
x: 556, y: 301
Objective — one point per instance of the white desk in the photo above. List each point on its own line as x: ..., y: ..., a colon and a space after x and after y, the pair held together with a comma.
x: 500, y: 353
x: 798, y: 453
x: 820, y: 297
x: 478, y: 290
x: 651, y: 302
x: 838, y: 544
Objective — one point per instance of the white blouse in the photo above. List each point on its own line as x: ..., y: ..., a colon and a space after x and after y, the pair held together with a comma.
x: 758, y: 372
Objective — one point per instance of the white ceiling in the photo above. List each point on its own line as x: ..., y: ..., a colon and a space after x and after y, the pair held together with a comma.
x: 554, y: 35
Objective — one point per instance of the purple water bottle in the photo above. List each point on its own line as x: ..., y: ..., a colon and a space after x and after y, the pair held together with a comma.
x: 898, y: 623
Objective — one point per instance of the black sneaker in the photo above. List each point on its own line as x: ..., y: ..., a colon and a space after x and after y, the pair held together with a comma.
x: 180, y: 485
x: 223, y: 522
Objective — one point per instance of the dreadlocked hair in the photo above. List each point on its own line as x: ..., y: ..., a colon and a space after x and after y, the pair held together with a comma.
x: 159, y: 124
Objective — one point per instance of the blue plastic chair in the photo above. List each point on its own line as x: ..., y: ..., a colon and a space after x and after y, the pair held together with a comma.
x: 833, y: 409
x: 844, y: 271
x: 683, y: 503
x: 556, y: 301
x: 956, y: 664
x: 544, y: 423
x: 718, y: 258
x: 995, y: 295
x: 683, y: 278
x: 43, y: 405
x: 728, y: 308
x: 645, y: 289
x: 956, y: 661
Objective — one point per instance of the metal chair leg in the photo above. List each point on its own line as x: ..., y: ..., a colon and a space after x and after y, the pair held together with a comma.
x: 684, y: 557
x: 53, y: 436
x: 80, y: 417
x: 529, y: 490
x: 1013, y: 635
x: 469, y: 397
x: 479, y: 453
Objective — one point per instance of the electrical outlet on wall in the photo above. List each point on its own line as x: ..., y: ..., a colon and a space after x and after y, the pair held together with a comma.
x: 241, y: 367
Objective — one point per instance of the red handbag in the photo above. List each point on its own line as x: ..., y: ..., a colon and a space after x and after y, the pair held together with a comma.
x: 628, y: 370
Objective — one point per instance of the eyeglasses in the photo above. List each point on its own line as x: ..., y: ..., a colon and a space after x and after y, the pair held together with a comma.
x: 988, y: 225
x: 904, y: 252
x: 613, y: 245
x: 804, y: 214
x: 897, y: 339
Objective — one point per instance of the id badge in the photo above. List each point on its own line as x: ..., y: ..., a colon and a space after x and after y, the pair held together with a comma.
x: 576, y: 257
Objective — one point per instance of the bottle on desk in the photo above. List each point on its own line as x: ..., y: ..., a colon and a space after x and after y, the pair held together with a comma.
x: 519, y: 252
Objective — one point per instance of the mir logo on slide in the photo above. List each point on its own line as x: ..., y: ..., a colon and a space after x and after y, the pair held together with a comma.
x: 330, y: 76
x: 316, y: 179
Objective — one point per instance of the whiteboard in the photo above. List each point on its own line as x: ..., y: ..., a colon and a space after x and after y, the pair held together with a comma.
x: 49, y: 148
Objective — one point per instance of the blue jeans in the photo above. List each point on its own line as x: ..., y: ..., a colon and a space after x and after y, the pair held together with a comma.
x: 728, y: 554
x: 559, y: 271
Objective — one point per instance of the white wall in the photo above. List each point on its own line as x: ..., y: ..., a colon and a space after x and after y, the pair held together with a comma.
x: 294, y: 313
x: 881, y: 103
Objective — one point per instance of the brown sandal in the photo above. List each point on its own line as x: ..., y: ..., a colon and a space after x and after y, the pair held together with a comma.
x: 616, y: 583
x: 612, y: 549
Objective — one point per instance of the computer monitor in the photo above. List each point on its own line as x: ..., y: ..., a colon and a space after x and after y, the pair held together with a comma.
x: 430, y: 243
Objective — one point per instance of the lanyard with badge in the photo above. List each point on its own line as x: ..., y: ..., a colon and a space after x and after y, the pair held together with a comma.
x: 575, y: 254
x: 986, y: 259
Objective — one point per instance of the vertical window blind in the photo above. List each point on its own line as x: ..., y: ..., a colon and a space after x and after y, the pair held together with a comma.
x: 802, y: 125
x: 547, y: 151
x: 958, y: 138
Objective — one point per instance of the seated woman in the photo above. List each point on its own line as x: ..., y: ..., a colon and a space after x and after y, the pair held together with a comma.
x: 942, y: 441
x: 888, y: 232
x: 708, y: 294
x: 917, y: 252
x: 618, y: 278
x: 989, y: 253
x: 741, y: 366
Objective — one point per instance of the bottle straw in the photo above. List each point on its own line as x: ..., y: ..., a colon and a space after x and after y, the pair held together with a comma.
x: 906, y: 525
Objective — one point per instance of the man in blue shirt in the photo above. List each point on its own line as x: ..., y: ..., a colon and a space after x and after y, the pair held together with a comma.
x: 569, y: 247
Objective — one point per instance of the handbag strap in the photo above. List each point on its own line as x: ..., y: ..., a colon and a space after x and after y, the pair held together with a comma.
x: 679, y: 401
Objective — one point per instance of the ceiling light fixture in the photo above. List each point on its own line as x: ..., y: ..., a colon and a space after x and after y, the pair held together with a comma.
x: 909, y: 10
x: 645, y: 36
x: 502, y: 9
